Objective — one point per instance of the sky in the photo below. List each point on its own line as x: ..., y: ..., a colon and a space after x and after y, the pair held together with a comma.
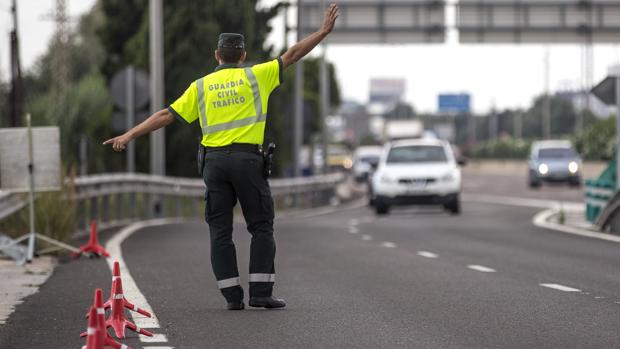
x: 504, y: 76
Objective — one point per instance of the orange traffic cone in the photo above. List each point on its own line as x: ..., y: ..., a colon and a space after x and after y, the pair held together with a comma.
x: 117, y: 319
x: 102, y: 339
x: 116, y: 275
x: 93, y: 247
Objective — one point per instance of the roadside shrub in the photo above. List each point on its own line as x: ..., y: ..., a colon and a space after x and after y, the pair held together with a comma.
x: 598, y: 142
x: 54, y: 215
x: 507, y: 148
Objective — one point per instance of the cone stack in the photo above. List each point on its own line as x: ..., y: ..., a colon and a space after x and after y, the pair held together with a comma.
x: 92, y: 247
x: 116, y: 276
x: 117, y: 319
x: 103, y: 339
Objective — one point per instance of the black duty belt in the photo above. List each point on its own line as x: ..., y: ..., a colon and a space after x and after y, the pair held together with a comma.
x: 242, y: 147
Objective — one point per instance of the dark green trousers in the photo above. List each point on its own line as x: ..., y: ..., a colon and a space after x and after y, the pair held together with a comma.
x: 231, y: 176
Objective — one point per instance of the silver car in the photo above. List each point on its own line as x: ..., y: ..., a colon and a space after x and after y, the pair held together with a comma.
x: 554, y: 161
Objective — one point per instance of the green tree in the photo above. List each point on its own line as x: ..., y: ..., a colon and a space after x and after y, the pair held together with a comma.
x: 191, y: 29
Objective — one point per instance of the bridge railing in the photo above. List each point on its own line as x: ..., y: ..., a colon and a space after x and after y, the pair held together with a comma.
x: 117, y: 199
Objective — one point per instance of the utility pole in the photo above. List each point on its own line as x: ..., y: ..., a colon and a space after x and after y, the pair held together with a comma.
x: 546, y: 122
x: 15, y: 96
x: 157, y: 138
x: 287, y: 28
x: 324, y: 92
x: 298, y: 131
x: 518, y: 124
x: 60, y: 62
x: 493, y: 124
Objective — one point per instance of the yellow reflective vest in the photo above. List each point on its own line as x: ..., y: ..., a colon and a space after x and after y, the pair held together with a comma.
x: 230, y: 103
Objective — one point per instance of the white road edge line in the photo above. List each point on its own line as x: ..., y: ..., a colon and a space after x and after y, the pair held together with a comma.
x: 481, y: 268
x: 561, y: 287
x: 130, y: 289
x: 541, y: 220
x: 388, y: 244
x: 427, y: 254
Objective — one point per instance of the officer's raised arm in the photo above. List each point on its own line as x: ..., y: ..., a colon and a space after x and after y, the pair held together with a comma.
x: 302, y: 48
x: 154, y: 122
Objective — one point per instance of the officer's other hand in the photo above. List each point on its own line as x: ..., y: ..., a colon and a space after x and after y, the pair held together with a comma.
x: 118, y: 143
x: 330, y: 18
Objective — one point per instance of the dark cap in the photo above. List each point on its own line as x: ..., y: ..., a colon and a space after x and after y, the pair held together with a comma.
x: 231, y: 40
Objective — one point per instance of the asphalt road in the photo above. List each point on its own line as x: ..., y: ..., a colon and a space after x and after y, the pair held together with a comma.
x: 414, y: 279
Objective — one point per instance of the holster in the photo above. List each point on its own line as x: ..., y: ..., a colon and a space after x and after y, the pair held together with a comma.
x: 268, y: 160
x: 201, y: 159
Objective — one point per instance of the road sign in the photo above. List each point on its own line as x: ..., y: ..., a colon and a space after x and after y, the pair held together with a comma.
x: 539, y: 21
x: 454, y: 103
x: 606, y: 90
x: 118, y: 88
x: 14, y: 158
x: 380, y: 21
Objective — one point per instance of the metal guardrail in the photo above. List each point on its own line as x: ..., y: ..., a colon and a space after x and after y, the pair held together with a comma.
x: 117, y: 199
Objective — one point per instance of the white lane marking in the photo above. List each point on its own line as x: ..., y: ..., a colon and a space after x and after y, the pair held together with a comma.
x: 150, y: 347
x: 542, y: 220
x: 427, y: 254
x: 157, y: 338
x: 617, y: 302
x: 481, y: 268
x: 388, y: 244
x: 353, y: 230
x: 599, y: 297
x: 130, y: 289
x: 354, y: 222
x: 560, y: 287
x: 367, y: 219
x: 366, y: 237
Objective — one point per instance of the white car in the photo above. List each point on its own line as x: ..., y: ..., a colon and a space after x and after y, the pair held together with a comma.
x: 365, y: 160
x: 417, y: 172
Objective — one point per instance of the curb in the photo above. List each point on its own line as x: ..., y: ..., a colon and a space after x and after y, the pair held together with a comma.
x: 543, y: 220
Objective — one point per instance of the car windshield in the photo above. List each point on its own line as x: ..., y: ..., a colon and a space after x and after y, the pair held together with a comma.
x: 369, y: 159
x: 555, y: 153
x: 416, y: 154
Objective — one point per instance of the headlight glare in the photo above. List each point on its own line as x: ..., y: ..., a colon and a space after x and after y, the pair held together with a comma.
x: 543, y: 169
x: 573, y: 167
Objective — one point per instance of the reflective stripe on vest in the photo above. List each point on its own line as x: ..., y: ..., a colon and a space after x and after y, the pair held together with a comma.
x: 200, y: 85
x: 258, y: 106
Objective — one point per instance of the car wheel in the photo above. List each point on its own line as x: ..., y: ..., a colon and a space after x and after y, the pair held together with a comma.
x: 453, y: 206
x: 534, y: 184
x: 382, y: 209
x: 575, y: 183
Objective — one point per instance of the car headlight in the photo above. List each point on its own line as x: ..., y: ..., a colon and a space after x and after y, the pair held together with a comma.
x: 543, y: 169
x: 347, y: 163
x: 387, y: 179
x: 447, y: 177
x: 573, y: 167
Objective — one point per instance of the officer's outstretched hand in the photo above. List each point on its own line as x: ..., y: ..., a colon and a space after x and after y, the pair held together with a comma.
x: 118, y: 143
x: 330, y: 19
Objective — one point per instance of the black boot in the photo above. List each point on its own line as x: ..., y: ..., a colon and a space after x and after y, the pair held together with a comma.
x: 236, y: 305
x: 267, y: 302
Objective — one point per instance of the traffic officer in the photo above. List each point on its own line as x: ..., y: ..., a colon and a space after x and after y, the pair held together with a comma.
x: 231, y: 107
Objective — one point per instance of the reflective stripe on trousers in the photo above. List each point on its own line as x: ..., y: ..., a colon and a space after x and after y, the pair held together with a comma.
x: 262, y: 277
